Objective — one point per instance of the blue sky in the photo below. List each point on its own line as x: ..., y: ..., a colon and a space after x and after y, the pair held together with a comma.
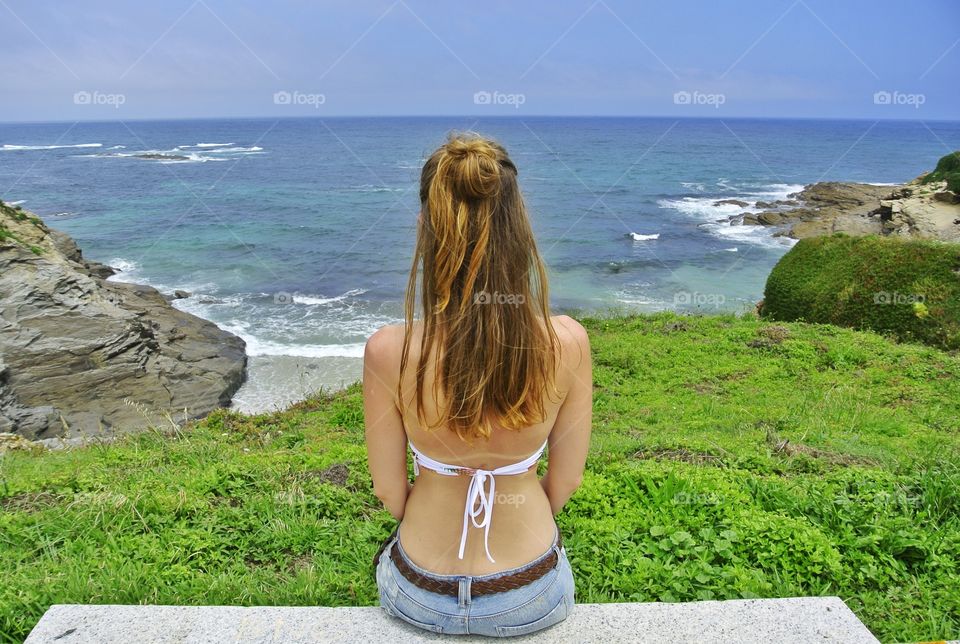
x: 105, y: 59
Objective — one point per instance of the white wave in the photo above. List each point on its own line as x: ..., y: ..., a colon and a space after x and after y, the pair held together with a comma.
x: 718, y: 217
x: 704, y: 207
x: 164, y: 157
x: 759, y: 235
x: 369, y: 187
x: 236, y: 150
x: 646, y: 303
x: 177, y: 154
x: 880, y: 183
x: 16, y: 203
x: 776, y: 191
x: 640, y: 237
x: 306, y: 299
x: 257, y: 347
x: 116, y: 147
x: 209, y: 145
x: 127, y: 270
x: 731, y: 250
x: 689, y: 185
x: 708, y: 208
x: 9, y: 147
x: 192, y: 157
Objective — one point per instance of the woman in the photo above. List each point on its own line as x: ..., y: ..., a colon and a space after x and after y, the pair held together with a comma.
x: 477, y: 388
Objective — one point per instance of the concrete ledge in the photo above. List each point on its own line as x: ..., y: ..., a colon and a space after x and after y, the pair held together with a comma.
x: 796, y: 619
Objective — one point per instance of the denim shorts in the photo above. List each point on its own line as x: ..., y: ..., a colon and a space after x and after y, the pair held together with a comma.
x: 530, y: 608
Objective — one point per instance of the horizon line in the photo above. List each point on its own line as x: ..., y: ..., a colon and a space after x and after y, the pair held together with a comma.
x: 478, y: 117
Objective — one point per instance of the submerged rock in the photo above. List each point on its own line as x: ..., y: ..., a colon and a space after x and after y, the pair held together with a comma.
x: 81, y: 355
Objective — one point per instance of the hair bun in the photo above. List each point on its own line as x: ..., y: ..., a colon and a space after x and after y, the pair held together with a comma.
x: 472, y: 166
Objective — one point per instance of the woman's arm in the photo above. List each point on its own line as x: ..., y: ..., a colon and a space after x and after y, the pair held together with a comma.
x: 386, y: 439
x: 569, y: 439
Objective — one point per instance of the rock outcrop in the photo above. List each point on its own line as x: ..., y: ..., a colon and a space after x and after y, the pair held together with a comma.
x: 916, y: 209
x: 80, y: 355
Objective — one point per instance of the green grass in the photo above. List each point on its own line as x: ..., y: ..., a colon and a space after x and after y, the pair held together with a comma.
x: 730, y: 458
x: 16, y: 213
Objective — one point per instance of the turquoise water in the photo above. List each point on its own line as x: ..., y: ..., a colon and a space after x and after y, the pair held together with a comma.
x: 297, y: 234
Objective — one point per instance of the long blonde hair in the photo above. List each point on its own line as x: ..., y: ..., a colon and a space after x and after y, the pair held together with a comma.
x: 484, y: 294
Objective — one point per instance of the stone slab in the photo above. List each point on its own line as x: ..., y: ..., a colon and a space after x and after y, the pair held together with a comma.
x: 795, y: 619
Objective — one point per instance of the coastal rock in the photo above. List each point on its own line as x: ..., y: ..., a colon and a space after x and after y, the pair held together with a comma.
x: 731, y: 202
x: 81, y: 355
x: 153, y: 156
x: 770, y: 218
x: 947, y: 196
x: 180, y: 294
x: 914, y: 209
x: 890, y: 207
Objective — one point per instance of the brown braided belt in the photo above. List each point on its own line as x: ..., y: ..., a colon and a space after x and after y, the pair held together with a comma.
x: 480, y: 587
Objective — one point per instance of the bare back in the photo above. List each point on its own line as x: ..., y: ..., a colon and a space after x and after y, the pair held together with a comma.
x: 522, y: 526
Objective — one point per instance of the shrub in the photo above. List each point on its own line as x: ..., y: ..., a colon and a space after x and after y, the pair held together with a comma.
x: 948, y: 169
x: 907, y: 288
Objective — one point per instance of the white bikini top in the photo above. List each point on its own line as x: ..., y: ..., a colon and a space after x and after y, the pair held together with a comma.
x: 475, y: 493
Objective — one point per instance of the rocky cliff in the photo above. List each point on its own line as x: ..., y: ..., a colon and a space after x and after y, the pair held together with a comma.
x: 926, y: 210
x: 80, y: 355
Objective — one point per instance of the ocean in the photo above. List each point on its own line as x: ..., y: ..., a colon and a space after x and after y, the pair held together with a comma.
x: 297, y: 234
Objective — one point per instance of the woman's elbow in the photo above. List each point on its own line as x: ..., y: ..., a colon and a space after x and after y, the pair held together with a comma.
x: 575, y: 482
x: 567, y: 485
x: 387, y: 496
x: 393, y: 500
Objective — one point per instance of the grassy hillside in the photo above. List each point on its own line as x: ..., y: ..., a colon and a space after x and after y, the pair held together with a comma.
x: 730, y: 458
x: 909, y: 288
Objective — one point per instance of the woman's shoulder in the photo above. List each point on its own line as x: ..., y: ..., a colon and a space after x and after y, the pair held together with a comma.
x: 569, y: 331
x: 389, y: 338
x: 384, y: 343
